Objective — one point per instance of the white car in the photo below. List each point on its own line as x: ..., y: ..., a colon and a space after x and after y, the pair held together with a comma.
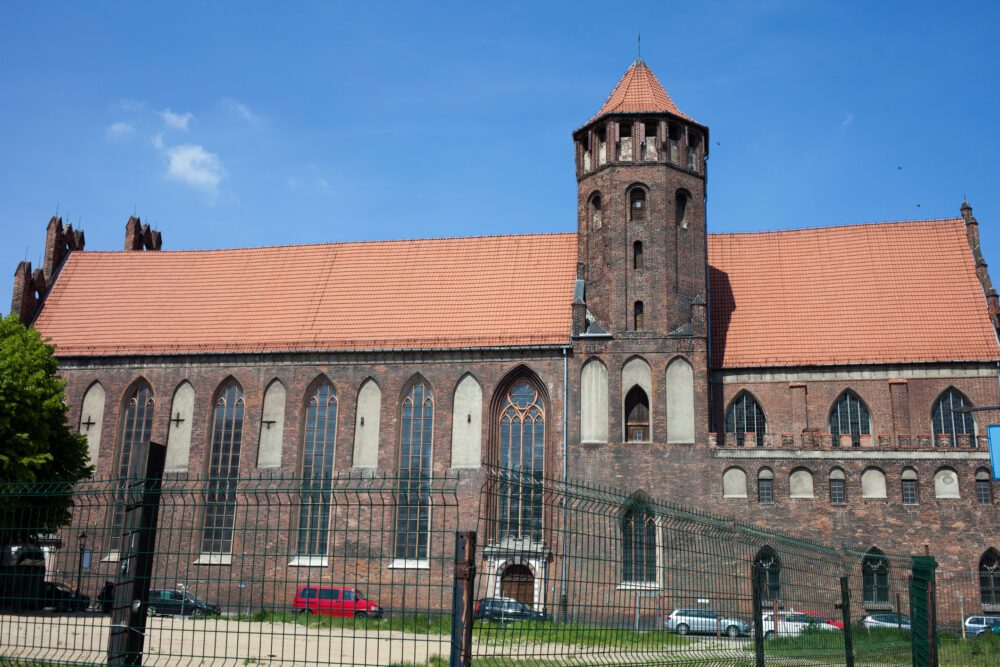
x: 793, y: 624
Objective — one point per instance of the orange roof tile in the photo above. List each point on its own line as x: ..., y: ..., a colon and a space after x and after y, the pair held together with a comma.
x: 467, y: 292
x: 639, y: 91
x: 863, y: 294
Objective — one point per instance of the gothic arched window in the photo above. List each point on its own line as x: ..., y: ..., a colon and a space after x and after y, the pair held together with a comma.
x: 637, y: 205
x: 745, y: 416
x: 137, y: 425
x: 681, y: 201
x: 636, y: 415
x: 522, y: 453
x: 223, y: 470
x: 637, y: 260
x: 638, y: 321
x: 318, y: 448
x: 414, y: 503
x: 945, y: 421
x: 595, y: 212
x: 638, y: 545
x: 989, y: 577
x: 849, y: 416
x: 874, y: 577
x: 767, y: 560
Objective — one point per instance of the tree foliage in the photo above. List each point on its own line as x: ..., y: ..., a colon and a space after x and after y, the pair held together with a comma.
x: 37, y: 445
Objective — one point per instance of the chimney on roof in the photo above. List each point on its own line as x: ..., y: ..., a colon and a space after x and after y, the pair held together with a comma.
x: 30, y: 286
x: 993, y: 306
x: 141, y: 237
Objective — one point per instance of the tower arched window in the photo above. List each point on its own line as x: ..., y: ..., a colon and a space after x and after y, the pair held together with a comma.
x: 681, y: 201
x: 911, y: 492
x: 596, y: 215
x: 947, y: 423
x: 989, y: 577
x: 770, y: 578
x: 875, y: 577
x: 637, y: 319
x: 636, y: 415
x: 984, y: 490
x: 638, y: 544
x: 765, y: 486
x: 522, y: 453
x: 745, y: 416
x: 223, y: 470
x: 318, y: 449
x: 637, y: 205
x: 838, y: 487
x: 416, y: 432
x: 637, y: 260
x: 694, y: 142
x: 849, y: 416
x: 137, y: 426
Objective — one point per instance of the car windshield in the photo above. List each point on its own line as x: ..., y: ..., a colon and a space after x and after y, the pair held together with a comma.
x: 361, y: 596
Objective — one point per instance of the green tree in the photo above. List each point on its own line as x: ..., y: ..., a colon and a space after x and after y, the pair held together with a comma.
x: 41, y: 458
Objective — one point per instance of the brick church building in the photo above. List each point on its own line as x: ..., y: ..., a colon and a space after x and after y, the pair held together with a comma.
x: 806, y: 380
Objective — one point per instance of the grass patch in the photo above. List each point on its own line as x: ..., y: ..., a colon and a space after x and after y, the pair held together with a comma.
x: 878, y: 645
x: 953, y: 651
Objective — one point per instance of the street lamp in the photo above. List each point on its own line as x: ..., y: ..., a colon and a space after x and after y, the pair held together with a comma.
x: 79, y: 570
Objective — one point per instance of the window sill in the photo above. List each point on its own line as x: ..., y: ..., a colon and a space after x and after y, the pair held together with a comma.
x: 214, y: 559
x: 637, y: 586
x: 735, y: 497
x: 309, y: 561
x: 802, y: 497
x: 409, y: 564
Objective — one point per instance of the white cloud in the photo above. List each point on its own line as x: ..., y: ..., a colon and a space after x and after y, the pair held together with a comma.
x: 119, y: 131
x: 241, y: 110
x: 192, y: 164
x: 178, y: 121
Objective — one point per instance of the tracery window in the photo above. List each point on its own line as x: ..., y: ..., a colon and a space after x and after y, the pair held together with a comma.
x: 875, y: 577
x: 137, y: 425
x: 745, y: 416
x: 849, y: 416
x: 767, y: 560
x: 636, y: 415
x: 946, y: 422
x: 522, y: 453
x: 319, y: 447
x: 638, y: 545
x: 637, y: 205
x: 223, y: 470
x: 413, y: 501
x: 989, y: 577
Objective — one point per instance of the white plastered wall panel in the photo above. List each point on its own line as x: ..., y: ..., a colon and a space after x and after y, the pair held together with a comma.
x: 467, y: 424
x: 366, y: 425
x: 800, y: 484
x: 680, y: 402
x: 179, y: 432
x: 946, y: 484
x: 734, y: 483
x: 272, y: 426
x: 873, y: 484
x: 92, y: 419
x: 594, y: 402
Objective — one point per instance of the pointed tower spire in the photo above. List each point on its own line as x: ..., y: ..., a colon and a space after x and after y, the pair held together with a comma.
x: 639, y: 91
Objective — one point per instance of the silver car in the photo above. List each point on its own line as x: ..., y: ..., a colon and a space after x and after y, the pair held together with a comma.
x: 703, y: 621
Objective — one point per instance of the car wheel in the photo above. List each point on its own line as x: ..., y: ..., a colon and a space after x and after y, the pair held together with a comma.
x: 299, y: 612
x: 769, y: 634
x: 732, y: 631
x: 682, y: 629
x: 360, y: 614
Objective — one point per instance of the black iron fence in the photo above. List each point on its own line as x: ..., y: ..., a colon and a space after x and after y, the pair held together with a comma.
x: 361, y: 570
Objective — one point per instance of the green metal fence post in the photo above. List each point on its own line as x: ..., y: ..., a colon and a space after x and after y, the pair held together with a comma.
x: 462, y: 607
x: 845, y: 609
x: 923, y: 634
x: 135, y: 561
x: 759, y: 582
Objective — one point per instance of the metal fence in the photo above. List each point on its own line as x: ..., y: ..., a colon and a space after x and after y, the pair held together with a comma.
x: 360, y: 570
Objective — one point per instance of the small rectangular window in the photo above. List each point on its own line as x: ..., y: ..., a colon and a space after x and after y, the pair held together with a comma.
x: 909, y: 492
x: 838, y: 494
x: 765, y: 491
x: 983, y: 492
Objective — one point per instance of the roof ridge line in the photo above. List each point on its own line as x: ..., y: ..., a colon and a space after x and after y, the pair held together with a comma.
x: 853, y: 225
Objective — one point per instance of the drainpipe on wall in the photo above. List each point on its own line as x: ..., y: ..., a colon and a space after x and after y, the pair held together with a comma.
x: 563, y: 596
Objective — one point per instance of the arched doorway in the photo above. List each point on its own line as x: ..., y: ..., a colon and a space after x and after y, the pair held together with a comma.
x: 518, y: 582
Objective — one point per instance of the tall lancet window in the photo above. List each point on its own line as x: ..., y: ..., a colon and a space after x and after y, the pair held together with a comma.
x: 522, y: 453
x: 137, y: 425
x: 413, y: 501
x: 319, y: 446
x: 223, y: 471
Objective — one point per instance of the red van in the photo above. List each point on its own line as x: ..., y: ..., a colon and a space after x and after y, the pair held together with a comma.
x: 335, y: 601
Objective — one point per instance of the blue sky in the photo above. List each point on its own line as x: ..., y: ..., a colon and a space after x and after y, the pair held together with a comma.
x: 261, y: 124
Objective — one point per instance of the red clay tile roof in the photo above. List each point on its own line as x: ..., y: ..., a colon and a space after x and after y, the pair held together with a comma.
x: 864, y: 294
x: 639, y: 91
x: 451, y: 293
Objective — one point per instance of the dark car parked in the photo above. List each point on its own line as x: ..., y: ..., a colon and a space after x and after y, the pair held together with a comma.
x: 63, y: 598
x: 179, y: 603
x: 507, y: 609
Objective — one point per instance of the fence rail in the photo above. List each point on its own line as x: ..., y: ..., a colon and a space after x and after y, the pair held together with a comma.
x: 361, y: 570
